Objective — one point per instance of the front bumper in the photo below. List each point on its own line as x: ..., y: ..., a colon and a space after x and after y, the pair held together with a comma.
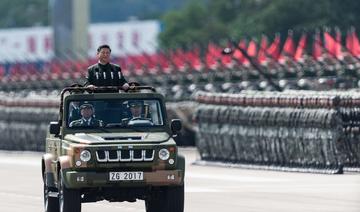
x: 82, y: 179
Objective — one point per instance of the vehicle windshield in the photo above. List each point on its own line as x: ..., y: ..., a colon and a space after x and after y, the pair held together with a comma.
x: 112, y: 113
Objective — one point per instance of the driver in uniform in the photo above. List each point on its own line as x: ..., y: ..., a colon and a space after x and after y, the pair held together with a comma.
x: 87, y: 117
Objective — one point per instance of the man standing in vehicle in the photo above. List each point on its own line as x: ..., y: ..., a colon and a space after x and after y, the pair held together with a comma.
x: 105, y: 73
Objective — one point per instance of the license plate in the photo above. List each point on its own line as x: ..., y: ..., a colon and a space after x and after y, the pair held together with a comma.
x: 126, y: 176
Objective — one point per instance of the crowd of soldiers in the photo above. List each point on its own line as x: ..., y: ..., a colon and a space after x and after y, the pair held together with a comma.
x: 294, y: 129
x: 24, y: 119
x: 291, y: 128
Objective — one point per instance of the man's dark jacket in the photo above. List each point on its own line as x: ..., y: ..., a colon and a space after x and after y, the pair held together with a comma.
x: 105, y: 75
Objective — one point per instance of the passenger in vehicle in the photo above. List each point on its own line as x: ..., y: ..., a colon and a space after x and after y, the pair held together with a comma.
x: 136, y: 109
x: 87, y: 117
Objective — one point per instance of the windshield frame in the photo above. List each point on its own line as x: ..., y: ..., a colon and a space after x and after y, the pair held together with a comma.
x: 115, y: 97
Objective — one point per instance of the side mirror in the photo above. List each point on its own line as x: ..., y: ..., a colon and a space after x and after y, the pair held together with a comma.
x: 175, y: 126
x: 54, y: 128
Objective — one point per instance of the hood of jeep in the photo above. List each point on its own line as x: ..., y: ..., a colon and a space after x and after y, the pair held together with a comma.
x: 100, y: 138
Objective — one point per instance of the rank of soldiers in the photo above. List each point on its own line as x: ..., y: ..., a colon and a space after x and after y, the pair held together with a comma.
x: 296, y: 129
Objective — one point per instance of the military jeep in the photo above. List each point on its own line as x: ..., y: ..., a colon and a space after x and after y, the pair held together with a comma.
x: 101, y: 148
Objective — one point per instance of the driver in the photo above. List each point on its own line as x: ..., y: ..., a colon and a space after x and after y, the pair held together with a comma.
x: 136, y: 109
x: 87, y: 118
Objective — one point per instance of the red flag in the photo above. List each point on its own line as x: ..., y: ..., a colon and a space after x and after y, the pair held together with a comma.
x: 134, y: 61
x: 349, y: 42
x: 238, y: 55
x: 163, y: 61
x: 352, y: 43
x: 356, y: 44
x: 193, y: 57
x: 212, y: 55
x: 141, y: 60
x: 262, y: 50
x: 289, y: 47
x: 300, y: 48
x: 135, y: 64
x: 178, y: 57
x: 330, y: 44
x: 317, y: 47
x: 274, y: 48
x: 148, y: 60
x: 214, y: 50
x: 252, y: 49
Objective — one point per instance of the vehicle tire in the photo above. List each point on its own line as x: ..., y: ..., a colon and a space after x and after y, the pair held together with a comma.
x: 69, y: 199
x: 166, y: 199
x: 175, y: 199
x: 51, y: 204
x: 155, y: 202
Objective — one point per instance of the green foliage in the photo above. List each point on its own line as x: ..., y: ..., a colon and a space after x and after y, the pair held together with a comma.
x: 252, y: 18
x: 121, y: 10
x: 197, y: 25
x: 23, y: 13
x: 193, y: 25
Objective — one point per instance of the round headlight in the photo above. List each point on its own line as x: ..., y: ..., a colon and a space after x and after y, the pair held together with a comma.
x: 164, y: 154
x: 85, y: 155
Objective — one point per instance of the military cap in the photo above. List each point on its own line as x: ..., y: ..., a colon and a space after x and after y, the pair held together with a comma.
x: 134, y: 103
x: 86, y: 105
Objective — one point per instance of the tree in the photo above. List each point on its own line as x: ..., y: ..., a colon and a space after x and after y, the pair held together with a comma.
x: 241, y: 18
x: 23, y: 13
x: 194, y: 24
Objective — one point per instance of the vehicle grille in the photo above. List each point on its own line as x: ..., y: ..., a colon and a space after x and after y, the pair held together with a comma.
x: 127, y: 155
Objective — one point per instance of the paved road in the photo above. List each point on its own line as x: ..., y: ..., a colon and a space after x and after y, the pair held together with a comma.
x: 208, y: 189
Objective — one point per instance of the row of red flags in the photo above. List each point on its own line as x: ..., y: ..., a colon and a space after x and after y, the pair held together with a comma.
x: 327, y: 45
x: 323, y: 44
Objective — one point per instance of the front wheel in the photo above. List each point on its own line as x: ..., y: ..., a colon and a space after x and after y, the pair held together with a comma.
x: 166, y: 199
x: 51, y: 204
x: 69, y: 199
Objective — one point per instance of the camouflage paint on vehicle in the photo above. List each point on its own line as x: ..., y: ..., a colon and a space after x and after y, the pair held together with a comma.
x: 118, y: 149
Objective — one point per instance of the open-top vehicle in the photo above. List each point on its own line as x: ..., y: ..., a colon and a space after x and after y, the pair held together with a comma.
x: 113, y: 145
